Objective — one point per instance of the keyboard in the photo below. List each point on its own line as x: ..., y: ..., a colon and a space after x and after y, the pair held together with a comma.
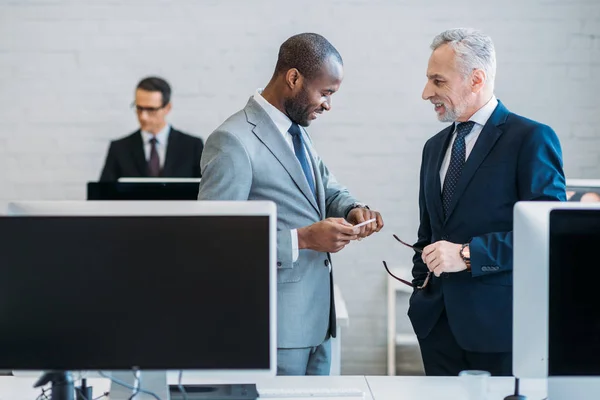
x: 314, y: 392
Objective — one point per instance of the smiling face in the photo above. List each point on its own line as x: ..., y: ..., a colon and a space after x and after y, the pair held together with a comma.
x: 310, y: 97
x: 447, y: 87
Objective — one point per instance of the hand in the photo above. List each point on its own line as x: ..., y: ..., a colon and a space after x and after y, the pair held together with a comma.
x: 359, y: 214
x: 443, y: 256
x: 330, y: 235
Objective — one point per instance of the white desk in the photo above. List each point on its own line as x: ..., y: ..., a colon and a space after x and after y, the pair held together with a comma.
x: 375, y: 387
x: 439, y: 388
x: 21, y: 388
x: 342, y: 321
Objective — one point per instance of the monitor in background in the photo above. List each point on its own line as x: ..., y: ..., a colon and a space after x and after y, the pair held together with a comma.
x: 530, y: 284
x: 138, y: 189
x: 148, y: 285
x: 574, y: 315
x: 159, y: 180
x: 583, y: 190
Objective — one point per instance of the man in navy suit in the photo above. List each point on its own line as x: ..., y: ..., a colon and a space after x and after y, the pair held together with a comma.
x: 472, y: 174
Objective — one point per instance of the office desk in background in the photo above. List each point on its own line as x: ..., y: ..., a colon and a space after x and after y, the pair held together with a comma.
x: 343, y: 321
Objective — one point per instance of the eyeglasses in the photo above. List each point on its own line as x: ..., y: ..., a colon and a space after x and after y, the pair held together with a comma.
x: 425, y: 282
x: 149, y: 110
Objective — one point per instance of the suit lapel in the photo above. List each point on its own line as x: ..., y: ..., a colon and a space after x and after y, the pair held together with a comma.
x: 485, y: 142
x: 444, y: 140
x: 137, y: 154
x: 269, y: 135
x: 171, y: 156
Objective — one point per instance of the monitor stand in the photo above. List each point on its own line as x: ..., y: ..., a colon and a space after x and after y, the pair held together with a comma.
x: 62, y: 384
x: 150, y: 381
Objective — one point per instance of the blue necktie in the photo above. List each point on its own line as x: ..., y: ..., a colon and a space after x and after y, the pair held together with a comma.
x: 301, y: 156
x: 457, y: 162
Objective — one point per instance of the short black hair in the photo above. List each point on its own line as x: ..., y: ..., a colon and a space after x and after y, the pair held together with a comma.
x: 155, y: 84
x: 306, y: 52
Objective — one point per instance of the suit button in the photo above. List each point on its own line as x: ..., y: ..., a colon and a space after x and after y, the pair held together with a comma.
x: 446, y: 275
x: 327, y: 263
x: 444, y: 237
x: 278, y: 264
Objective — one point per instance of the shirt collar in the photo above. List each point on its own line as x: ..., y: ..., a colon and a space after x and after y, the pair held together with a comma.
x: 161, y: 137
x: 484, y: 113
x: 282, y: 121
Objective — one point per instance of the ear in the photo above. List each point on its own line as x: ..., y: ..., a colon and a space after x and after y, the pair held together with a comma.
x: 168, y: 108
x: 293, y: 78
x: 478, y: 80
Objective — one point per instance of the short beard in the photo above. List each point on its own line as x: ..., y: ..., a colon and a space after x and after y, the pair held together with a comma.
x: 452, y: 114
x: 297, y: 109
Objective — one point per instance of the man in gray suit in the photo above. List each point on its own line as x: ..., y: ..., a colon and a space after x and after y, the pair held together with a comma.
x: 263, y: 153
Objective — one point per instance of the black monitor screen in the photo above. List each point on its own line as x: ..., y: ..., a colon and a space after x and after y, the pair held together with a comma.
x: 574, y: 302
x: 90, y: 293
x: 142, y: 190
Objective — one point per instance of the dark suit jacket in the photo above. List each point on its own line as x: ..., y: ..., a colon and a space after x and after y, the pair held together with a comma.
x: 514, y: 159
x: 126, y: 157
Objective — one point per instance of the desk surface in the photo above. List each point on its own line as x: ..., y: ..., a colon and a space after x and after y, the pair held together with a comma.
x: 375, y: 387
x: 21, y: 388
x: 436, y: 388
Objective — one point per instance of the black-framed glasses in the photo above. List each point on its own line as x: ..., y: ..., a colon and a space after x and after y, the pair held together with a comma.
x: 149, y: 110
x: 425, y: 282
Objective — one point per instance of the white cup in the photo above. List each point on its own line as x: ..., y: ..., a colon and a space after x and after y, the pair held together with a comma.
x: 475, y: 383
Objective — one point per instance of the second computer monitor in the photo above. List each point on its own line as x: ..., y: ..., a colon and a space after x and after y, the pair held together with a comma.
x: 534, y: 255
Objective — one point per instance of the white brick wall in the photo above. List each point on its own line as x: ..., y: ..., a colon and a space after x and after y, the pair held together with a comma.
x: 68, y: 69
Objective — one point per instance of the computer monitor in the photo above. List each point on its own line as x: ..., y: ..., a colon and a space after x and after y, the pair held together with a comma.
x: 153, y: 285
x: 144, y: 189
x: 532, y: 258
x: 574, y: 313
x: 583, y: 190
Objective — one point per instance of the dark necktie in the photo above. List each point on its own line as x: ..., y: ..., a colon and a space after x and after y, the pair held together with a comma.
x: 301, y: 156
x: 153, y: 161
x: 457, y: 162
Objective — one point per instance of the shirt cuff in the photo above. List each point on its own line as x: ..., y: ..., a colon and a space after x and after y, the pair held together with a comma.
x: 295, y: 252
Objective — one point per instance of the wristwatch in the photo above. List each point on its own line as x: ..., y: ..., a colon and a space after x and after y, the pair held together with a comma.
x: 466, y: 255
x: 355, y: 205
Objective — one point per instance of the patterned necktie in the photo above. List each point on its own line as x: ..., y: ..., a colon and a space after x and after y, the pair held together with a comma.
x: 153, y: 162
x: 301, y: 156
x: 457, y: 162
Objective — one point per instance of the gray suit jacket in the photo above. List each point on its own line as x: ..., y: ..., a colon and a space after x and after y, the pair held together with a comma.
x: 247, y: 158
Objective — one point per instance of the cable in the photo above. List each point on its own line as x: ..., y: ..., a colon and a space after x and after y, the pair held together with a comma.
x: 136, y: 384
x: 180, y: 386
x: 128, y: 386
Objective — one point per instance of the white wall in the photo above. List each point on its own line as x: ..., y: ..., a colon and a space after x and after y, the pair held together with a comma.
x: 68, y: 70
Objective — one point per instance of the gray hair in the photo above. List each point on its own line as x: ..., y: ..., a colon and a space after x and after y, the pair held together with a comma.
x: 474, y: 49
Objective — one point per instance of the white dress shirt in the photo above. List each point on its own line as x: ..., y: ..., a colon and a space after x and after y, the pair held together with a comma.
x: 162, y: 139
x: 480, y: 118
x: 283, y: 124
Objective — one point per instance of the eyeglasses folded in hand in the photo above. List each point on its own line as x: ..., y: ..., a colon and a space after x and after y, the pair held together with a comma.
x: 425, y: 282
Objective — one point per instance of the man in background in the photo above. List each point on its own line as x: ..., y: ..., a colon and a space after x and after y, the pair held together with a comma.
x: 156, y: 149
x: 263, y: 152
x: 472, y: 174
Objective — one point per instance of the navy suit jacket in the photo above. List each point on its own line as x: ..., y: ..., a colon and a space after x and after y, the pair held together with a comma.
x: 126, y: 157
x: 514, y: 159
